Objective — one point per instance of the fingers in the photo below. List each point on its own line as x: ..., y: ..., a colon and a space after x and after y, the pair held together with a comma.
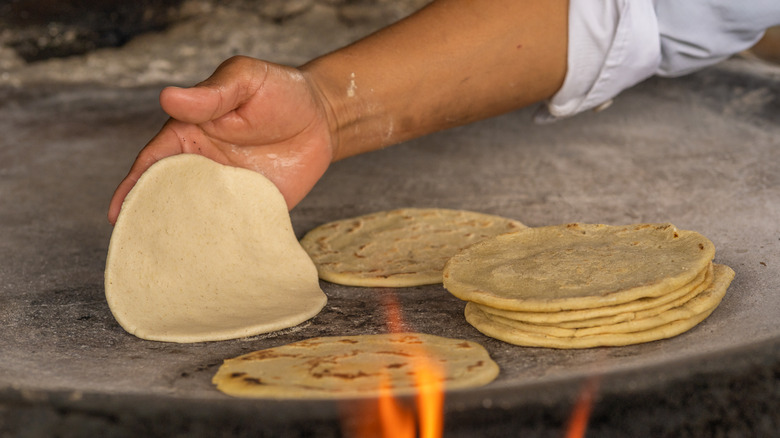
x: 192, y: 105
x: 165, y: 144
x: 118, y: 198
x: 231, y: 85
x: 221, y: 114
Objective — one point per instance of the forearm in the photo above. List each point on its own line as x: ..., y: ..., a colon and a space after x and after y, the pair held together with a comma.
x: 454, y: 62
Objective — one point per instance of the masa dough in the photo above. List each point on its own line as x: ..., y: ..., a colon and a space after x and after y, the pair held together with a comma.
x: 205, y: 252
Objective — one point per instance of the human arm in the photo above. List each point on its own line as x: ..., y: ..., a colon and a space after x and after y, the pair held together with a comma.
x: 452, y: 63
x: 251, y: 114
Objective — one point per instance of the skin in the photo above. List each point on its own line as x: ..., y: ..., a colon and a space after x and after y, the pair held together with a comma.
x: 452, y: 63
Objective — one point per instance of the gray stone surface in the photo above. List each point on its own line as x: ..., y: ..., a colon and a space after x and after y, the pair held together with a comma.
x: 702, y: 152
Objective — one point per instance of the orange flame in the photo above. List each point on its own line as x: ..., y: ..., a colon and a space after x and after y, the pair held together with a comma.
x: 578, y: 422
x: 395, y: 322
x: 397, y: 419
x: 430, y: 401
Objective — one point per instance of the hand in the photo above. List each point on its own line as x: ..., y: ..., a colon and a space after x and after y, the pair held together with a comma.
x: 251, y: 114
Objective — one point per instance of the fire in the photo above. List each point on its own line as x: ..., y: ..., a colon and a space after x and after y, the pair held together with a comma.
x: 430, y: 401
x: 578, y: 422
x: 395, y: 420
x: 395, y: 322
x: 425, y: 418
x: 399, y: 418
x: 392, y: 417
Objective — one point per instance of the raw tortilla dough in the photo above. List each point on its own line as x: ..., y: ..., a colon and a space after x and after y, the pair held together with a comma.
x: 398, y: 248
x: 205, y: 252
x: 354, y: 366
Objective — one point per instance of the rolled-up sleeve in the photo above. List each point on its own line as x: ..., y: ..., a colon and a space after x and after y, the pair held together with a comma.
x: 615, y: 44
x: 698, y: 33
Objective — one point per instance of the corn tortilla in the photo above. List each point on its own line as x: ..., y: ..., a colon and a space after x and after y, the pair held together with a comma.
x: 679, y: 320
x: 206, y: 252
x: 577, y: 266
x: 398, y: 248
x: 354, y: 366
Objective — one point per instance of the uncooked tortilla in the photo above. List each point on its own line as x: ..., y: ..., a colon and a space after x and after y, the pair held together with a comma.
x: 355, y: 366
x: 205, y: 252
x: 399, y: 248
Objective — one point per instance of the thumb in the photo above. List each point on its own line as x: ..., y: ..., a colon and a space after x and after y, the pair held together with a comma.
x: 231, y: 85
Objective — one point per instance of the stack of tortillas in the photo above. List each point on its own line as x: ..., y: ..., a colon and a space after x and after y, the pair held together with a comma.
x: 581, y: 286
x: 398, y: 248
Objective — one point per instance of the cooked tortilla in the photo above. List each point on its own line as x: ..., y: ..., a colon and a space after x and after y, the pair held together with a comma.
x: 355, y: 366
x: 665, y: 325
x: 206, y: 252
x: 399, y: 248
x: 598, y: 316
x: 577, y: 266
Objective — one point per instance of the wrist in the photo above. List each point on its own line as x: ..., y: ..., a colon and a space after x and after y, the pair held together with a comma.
x: 325, y: 101
x: 355, y: 115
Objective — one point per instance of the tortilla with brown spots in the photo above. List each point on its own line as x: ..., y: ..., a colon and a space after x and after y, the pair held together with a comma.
x: 354, y: 366
x: 399, y: 248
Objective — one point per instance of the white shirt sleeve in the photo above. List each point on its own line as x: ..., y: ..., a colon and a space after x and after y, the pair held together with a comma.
x: 615, y: 44
x: 698, y: 33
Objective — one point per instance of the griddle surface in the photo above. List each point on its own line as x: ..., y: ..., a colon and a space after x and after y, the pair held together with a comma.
x: 702, y: 152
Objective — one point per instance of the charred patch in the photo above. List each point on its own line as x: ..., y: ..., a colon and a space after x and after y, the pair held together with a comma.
x: 253, y: 381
